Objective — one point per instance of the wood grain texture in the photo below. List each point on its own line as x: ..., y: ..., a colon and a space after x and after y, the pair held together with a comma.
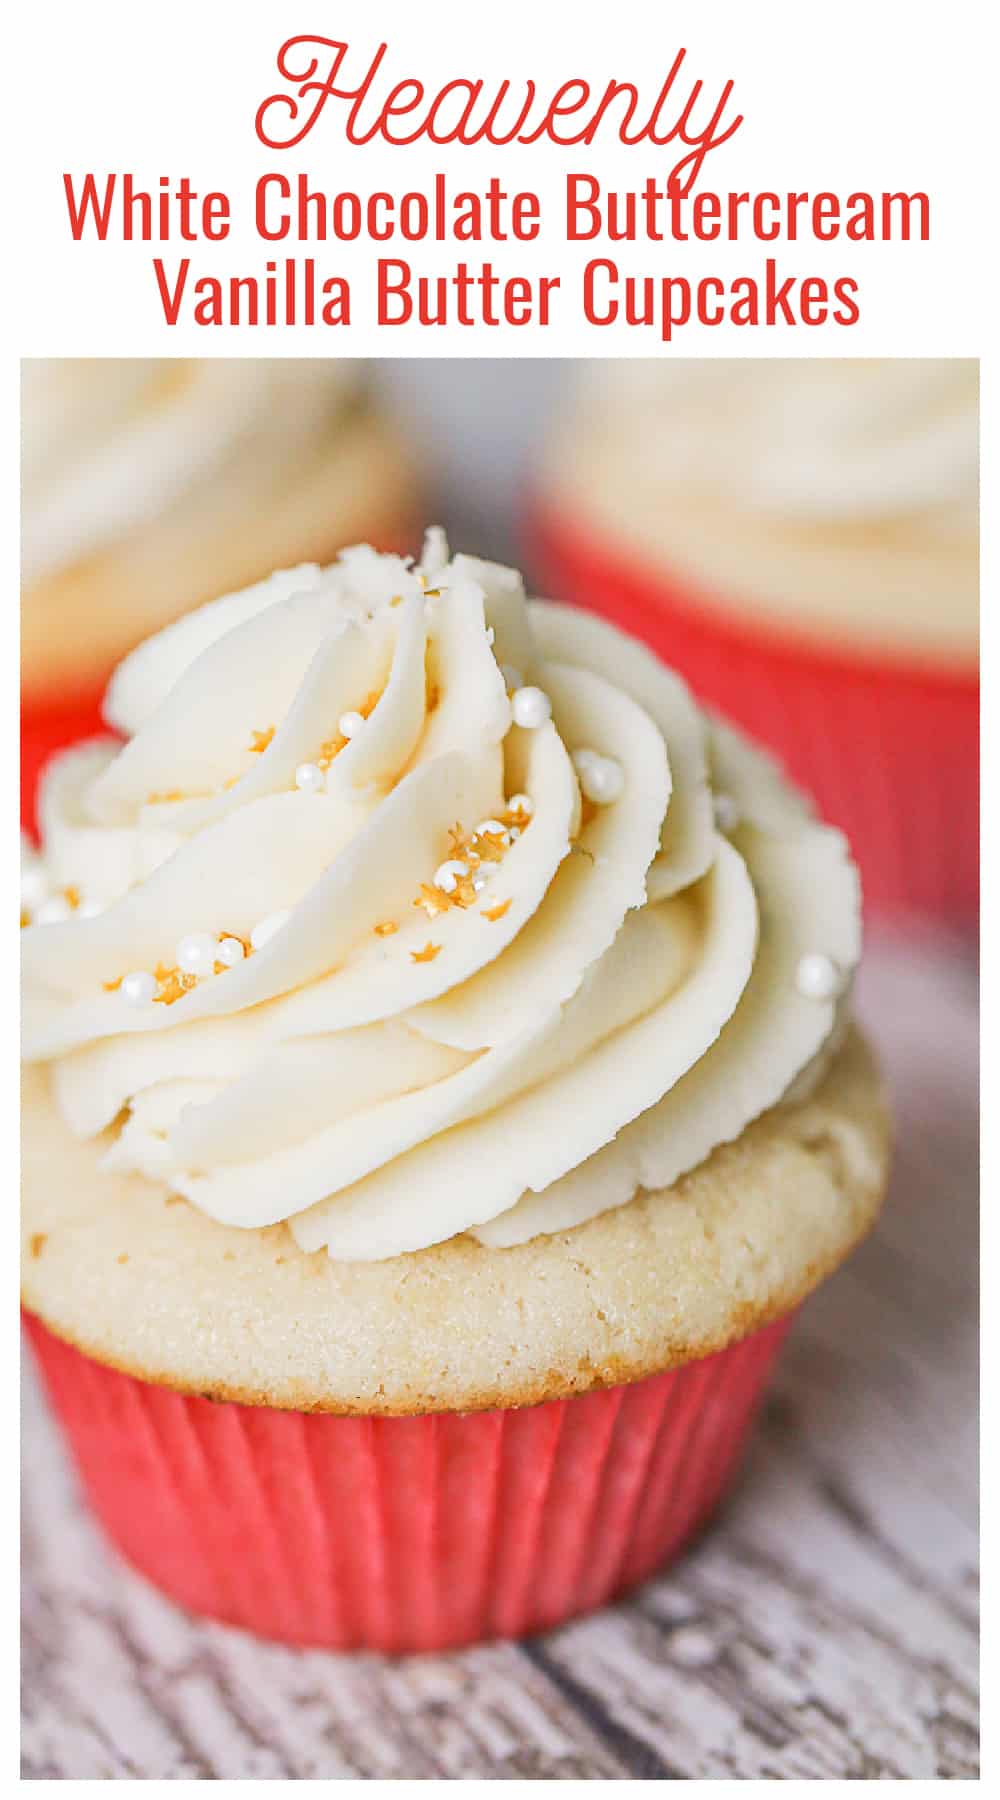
x: 824, y: 1627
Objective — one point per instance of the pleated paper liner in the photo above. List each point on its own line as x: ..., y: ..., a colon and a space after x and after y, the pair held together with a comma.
x: 405, y: 1534
x: 889, y: 752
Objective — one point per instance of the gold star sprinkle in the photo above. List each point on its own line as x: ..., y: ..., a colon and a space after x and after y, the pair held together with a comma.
x: 259, y: 740
x: 171, y: 984
x: 488, y: 846
x: 427, y: 954
x: 432, y: 899
x: 386, y: 928
x: 496, y: 912
x: 463, y: 893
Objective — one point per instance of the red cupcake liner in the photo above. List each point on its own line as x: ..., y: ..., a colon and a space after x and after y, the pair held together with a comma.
x: 889, y: 751
x: 405, y: 1534
x: 51, y: 725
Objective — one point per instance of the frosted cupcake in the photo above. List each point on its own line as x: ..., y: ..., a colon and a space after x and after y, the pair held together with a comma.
x: 150, y: 486
x: 441, y: 1056
x: 801, y: 540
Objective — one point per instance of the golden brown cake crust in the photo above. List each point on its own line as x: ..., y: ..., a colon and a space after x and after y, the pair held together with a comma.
x: 141, y: 1281
x: 79, y: 621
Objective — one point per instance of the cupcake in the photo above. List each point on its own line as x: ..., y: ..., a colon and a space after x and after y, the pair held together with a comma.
x: 800, y: 540
x: 149, y: 486
x: 442, y: 1093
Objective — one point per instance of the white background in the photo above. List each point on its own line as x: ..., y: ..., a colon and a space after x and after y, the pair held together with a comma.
x: 867, y: 95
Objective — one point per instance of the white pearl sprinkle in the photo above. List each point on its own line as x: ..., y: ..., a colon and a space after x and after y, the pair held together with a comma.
x: 818, y: 976
x: 531, y: 708
x: 54, y: 911
x: 602, y: 780
x: 448, y: 876
x: 34, y: 886
x: 521, y: 803
x: 265, y: 929
x: 492, y: 828
x: 515, y: 832
x: 229, y: 951
x: 513, y: 678
x: 490, y: 636
x: 310, y: 778
x: 727, y: 813
x: 139, y: 988
x: 350, y: 723
x: 481, y: 877
x: 196, y: 953
x: 583, y: 759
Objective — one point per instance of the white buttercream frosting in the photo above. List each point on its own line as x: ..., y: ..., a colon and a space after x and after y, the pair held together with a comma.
x: 108, y: 444
x: 457, y: 994
x: 814, y: 440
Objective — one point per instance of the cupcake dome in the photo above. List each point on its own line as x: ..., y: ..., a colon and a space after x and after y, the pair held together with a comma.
x: 433, y: 1011
x: 800, y: 538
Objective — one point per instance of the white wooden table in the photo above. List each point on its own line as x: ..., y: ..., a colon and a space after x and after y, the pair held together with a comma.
x: 825, y: 1627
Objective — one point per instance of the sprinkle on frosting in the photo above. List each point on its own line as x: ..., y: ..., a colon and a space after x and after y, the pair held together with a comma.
x: 426, y: 955
x: 200, y: 954
x: 460, y: 879
x: 43, y: 904
x: 817, y: 976
x: 354, y: 719
x: 171, y: 984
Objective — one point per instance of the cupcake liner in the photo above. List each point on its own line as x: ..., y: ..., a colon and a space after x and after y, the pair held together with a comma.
x: 404, y: 1533
x: 888, y: 750
x: 51, y: 725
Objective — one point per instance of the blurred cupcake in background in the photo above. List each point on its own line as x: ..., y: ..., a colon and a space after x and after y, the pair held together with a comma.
x: 800, y: 539
x: 151, y: 485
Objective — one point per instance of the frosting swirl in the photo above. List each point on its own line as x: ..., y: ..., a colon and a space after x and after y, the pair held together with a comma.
x: 410, y: 908
x: 109, y: 444
x: 810, y: 440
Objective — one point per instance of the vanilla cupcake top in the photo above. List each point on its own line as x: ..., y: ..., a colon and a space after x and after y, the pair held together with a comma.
x: 811, y: 440
x: 108, y: 444
x: 409, y: 908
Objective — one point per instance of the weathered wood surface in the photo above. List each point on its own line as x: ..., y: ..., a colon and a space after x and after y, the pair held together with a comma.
x: 825, y: 1627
